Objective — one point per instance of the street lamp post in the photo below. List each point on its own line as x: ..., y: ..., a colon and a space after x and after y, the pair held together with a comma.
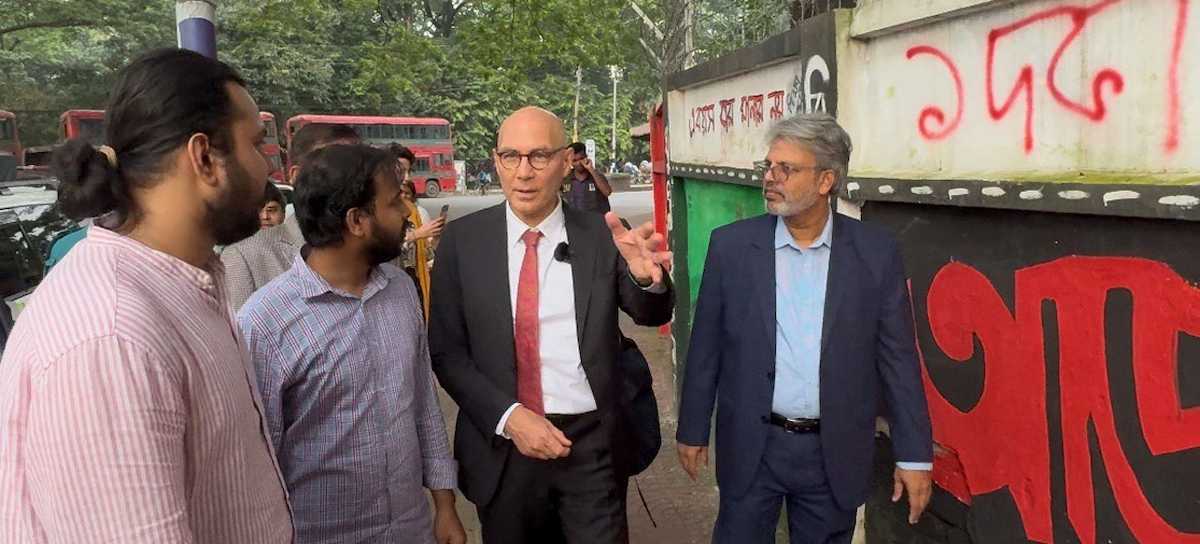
x: 614, y: 72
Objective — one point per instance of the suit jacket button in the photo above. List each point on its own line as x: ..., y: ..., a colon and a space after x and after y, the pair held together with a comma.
x: 766, y: 419
x: 770, y: 375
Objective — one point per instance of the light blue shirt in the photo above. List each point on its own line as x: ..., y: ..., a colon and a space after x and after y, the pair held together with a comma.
x: 801, y: 274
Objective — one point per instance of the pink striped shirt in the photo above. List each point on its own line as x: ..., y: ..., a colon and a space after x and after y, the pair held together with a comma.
x: 128, y: 411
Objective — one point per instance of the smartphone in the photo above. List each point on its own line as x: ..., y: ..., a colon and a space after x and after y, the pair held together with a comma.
x: 445, y: 210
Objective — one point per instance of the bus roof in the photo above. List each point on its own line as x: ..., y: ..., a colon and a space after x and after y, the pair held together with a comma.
x: 368, y: 119
x: 265, y: 115
x: 6, y: 114
x: 83, y: 114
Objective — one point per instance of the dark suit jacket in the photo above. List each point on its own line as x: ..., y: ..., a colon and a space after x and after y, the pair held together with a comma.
x: 867, y: 347
x: 471, y: 331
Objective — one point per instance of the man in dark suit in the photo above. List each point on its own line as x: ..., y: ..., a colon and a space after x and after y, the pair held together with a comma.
x: 523, y: 335
x: 803, y: 319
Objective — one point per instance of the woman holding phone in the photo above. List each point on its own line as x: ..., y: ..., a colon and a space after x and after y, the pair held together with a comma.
x: 423, y: 232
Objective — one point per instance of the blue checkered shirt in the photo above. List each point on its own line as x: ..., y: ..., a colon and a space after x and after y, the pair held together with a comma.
x: 351, y: 404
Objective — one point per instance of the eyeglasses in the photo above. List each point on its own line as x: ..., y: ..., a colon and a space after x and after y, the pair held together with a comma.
x: 782, y: 170
x: 538, y: 159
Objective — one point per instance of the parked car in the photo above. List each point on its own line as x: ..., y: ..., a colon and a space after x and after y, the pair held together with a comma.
x: 30, y: 224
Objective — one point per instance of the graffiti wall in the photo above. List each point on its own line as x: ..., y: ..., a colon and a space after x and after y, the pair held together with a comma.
x: 719, y: 112
x: 1051, y: 90
x: 1062, y: 366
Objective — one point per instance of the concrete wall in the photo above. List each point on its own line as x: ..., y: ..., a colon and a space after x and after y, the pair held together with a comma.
x: 1093, y: 91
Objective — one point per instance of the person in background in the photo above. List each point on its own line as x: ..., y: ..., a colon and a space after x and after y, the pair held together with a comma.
x: 803, y: 324
x: 589, y: 188
x: 274, y: 208
x: 420, y: 240
x: 339, y: 349
x: 485, y: 179
x: 255, y: 261
x: 127, y: 406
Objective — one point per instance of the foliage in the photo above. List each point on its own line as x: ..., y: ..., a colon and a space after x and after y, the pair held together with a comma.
x: 471, y: 61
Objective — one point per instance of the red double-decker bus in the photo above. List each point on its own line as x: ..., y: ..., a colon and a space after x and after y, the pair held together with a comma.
x: 270, y: 147
x: 86, y: 124
x: 89, y: 125
x: 10, y: 140
x: 428, y: 137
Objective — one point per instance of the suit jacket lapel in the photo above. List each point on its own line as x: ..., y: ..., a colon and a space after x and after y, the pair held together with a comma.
x: 762, y: 277
x: 582, y: 239
x: 840, y: 280
x: 492, y: 251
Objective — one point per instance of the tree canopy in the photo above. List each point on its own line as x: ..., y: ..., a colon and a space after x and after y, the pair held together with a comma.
x: 471, y: 61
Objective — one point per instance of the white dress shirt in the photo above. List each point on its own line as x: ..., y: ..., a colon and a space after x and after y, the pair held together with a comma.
x: 565, y: 388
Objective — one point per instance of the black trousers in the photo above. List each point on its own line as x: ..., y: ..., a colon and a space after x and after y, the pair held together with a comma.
x: 576, y: 500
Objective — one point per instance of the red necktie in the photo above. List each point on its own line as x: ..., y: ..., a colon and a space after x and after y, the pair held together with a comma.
x: 529, y: 359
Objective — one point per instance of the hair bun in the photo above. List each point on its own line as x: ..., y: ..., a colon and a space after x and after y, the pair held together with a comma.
x: 88, y: 184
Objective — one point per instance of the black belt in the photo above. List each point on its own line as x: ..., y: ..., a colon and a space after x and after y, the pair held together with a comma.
x: 561, y: 420
x: 797, y: 425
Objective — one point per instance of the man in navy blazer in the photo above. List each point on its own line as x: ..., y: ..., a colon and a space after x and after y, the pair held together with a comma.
x: 803, y: 320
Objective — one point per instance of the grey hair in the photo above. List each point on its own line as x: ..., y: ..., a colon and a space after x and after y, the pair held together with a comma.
x: 822, y: 136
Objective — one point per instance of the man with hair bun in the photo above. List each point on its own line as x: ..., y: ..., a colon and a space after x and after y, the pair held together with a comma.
x: 128, y: 410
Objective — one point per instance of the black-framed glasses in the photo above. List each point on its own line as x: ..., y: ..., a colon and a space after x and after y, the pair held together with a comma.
x: 782, y: 170
x: 538, y: 158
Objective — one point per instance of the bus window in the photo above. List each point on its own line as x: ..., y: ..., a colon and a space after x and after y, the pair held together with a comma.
x: 6, y: 129
x: 422, y: 165
x: 441, y: 132
x: 92, y: 130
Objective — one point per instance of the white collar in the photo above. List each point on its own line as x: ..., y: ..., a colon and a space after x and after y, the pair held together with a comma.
x: 549, y: 226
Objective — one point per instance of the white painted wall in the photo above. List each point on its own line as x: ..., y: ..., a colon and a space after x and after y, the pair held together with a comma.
x: 882, y: 92
x: 698, y: 136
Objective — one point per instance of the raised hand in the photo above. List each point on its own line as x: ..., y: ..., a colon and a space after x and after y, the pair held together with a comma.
x: 640, y: 248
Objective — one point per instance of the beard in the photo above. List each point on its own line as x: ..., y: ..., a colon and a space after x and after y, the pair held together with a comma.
x: 234, y: 215
x: 791, y: 206
x: 385, y: 246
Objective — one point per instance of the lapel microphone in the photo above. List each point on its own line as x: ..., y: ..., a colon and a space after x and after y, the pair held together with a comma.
x: 562, y: 252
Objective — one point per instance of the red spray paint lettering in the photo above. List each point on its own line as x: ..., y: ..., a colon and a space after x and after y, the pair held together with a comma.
x: 777, y: 102
x: 963, y: 307
x: 1094, y: 108
x: 727, y: 113
x: 931, y: 114
x: 752, y: 110
x: 701, y: 120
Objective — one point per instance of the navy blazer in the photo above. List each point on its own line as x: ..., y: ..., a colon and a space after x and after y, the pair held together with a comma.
x: 867, y: 347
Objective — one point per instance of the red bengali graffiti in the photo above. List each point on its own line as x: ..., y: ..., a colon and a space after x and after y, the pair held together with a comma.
x: 934, y: 114
x: 1094, y: 108
x: 1173, y: 116
x: 752, y: 110
x: 776, y: 98
x: 1014, y: 452
x: 727, y: 113
x: 702, y: 120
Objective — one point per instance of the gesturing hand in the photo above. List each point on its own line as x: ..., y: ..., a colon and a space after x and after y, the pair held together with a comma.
x: 640, y: 249
x: 535, y: 436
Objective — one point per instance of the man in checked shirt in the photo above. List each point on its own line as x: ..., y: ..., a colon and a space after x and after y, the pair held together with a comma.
x: 338, y: 344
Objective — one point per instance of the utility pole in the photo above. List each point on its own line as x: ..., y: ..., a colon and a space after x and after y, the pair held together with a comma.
x: 196, y: 24
x: 614, y: 72
x: 575, y: 123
